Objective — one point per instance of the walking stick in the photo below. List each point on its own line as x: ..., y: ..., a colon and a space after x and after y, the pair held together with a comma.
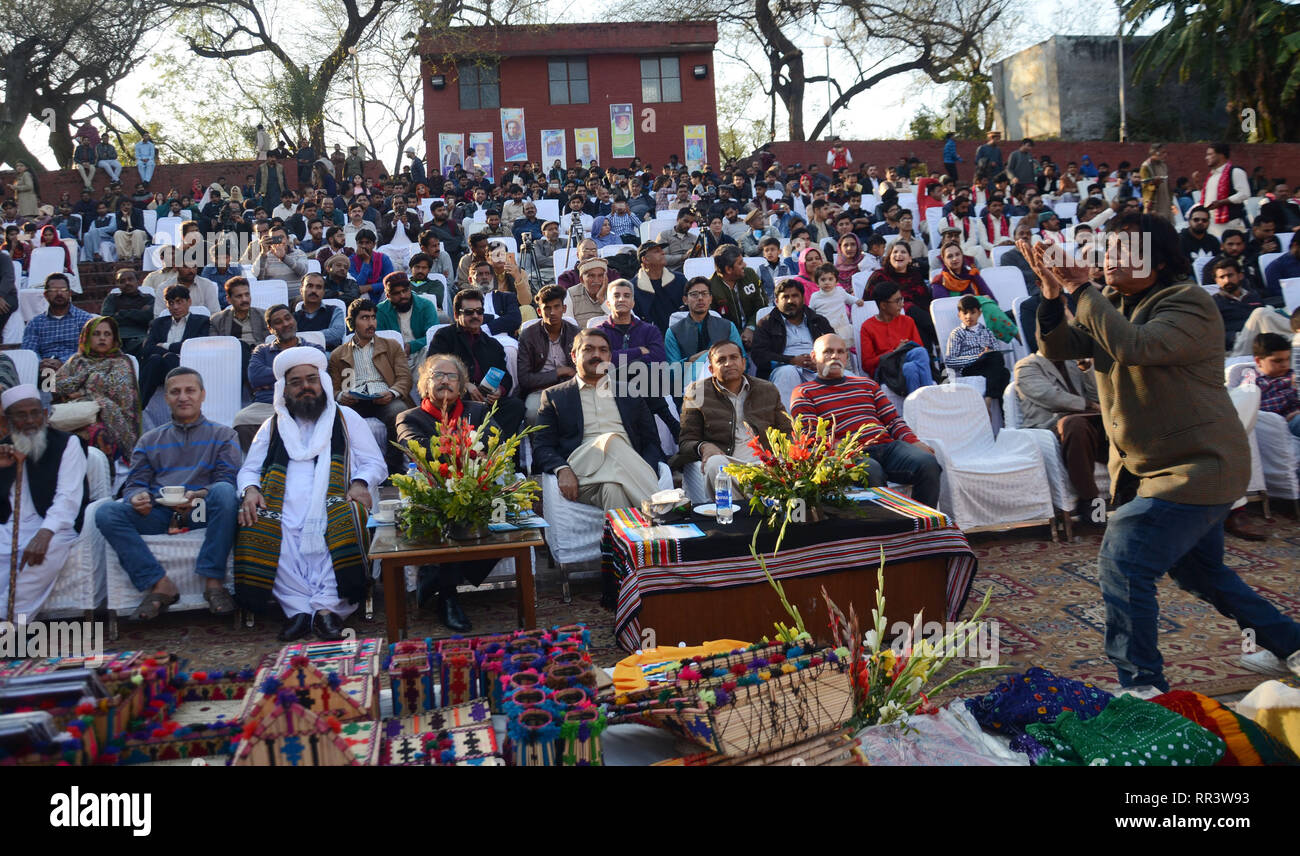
x: 13, y: 546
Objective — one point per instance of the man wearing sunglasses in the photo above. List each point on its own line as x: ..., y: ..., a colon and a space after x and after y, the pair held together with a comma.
x: 1196, y: 238
x: 480, y: 352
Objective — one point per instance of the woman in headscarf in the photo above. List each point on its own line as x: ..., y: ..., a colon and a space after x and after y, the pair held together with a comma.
x: 101, y: 373
x: 26, y: 189
x: 848, y: 260
x: 897, y: 267
x: 50, y: 238
x: 809, y: 260
x: 322, y: 179
x: 603, y: 234
x: 955, y: 278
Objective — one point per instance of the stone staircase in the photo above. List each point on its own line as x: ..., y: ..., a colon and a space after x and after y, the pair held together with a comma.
x: 97, y: 282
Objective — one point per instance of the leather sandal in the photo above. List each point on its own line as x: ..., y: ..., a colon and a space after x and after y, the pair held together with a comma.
x: 219, y: 601
x: 154, y: 604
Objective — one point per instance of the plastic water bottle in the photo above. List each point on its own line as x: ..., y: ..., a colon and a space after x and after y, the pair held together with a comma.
x: 722, y: 496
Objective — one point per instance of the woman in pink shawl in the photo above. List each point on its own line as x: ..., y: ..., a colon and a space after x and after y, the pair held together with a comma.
x: 810, y: 259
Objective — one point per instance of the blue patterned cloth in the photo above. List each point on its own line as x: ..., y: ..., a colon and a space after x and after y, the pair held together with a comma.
x: 1036, y: 696
x: 55, y: 337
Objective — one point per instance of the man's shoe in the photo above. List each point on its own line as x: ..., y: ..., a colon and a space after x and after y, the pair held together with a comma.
x: 296, y: 628
x: 452, y: 615
x: 1236, y: 526
x: 1264, y: 663
x: 328, y: 626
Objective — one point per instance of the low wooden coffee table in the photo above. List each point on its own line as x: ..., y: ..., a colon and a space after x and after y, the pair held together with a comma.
x: 394, y: 553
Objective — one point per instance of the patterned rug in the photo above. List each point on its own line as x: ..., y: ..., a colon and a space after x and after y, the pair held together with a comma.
x: 1046, y: 599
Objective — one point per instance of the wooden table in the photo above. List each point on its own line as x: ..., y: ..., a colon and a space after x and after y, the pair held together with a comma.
x: 394, y: 553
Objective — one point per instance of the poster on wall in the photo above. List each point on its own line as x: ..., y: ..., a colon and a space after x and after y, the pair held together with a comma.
x: 452, y: 147
x: 480, y: 153
x: 622, y: 136
x: 554, y: 149
x: 696, y: 146
x: 586, y: 143
x: 513, y: 143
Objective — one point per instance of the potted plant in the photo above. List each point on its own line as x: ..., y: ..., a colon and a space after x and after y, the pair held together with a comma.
x: 462, y: 481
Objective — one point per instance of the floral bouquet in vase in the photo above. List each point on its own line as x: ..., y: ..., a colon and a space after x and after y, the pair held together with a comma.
x: 464, y: 480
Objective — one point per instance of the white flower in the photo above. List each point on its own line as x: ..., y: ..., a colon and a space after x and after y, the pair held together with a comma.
x: 871, y: 640
x: 914, y: 686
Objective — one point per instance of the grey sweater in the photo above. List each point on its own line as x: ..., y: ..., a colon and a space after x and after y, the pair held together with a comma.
x: 196, y: 455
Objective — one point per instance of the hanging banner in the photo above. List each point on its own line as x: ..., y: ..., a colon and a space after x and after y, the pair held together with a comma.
x: 622, y: 135
x: 514, y: 147
x: 452, y: 147
x: 480, y: 153
x: 696, y: 145
x: 554, y: 150
x: 586, y: 141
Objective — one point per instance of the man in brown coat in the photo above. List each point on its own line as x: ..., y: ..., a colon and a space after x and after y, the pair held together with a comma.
x: 1179, y: 457
x: 721, y: 413
x: 372, y: 375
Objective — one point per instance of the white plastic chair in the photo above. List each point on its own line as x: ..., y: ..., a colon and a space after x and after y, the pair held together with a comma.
x: 574, y: 530
x: 606, y: 252
x: 178, y: 554
x: 13, y: 331
x: 698, y: 267
x: 395, y: 335
x: 1006, y: 283
x: 1049, y: 446
x: 548, y: 209
x: 1284, y: 240
x: 933, y: 219
x: 566, y: 223
x: 217, y: 360
x: 978, y: 469
x: 48, y: 260
x: 943, y: 313
x: 860, y: 283
x: 167, y: 230
x: 1277, y: 449
x: 150, y: 218
x: 31, y: 302
x: 559, y: 257
x: 27, y: 364
x: 152, y: 259
x: 266, y: 293
x: 313, y: 266
x: 1245, y: 398
x: 79, y: 588
x: 1066, y: 210
x: 1291, y: 293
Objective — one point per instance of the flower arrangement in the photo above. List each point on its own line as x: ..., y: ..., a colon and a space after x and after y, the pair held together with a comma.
x: 462, y: 480
x: 805, y: 470
x: 889, y: 682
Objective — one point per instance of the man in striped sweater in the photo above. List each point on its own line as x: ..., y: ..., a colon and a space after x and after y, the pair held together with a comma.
x: 896, y: 453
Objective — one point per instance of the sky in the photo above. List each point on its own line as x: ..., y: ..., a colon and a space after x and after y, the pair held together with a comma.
x: 882, y: 113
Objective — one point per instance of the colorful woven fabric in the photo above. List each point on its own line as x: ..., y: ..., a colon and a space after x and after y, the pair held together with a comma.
x: 1248, y: 745
x: 1130, y: 732
x: 1037, y: 696
x: 847, y: 539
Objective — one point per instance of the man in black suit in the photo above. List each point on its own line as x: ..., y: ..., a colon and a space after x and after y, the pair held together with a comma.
x: 162, y: 348
x: 467, y: 338
x: 602, y: 447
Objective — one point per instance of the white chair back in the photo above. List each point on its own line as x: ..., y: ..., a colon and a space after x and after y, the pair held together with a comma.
x: 606, y: 252
x: 266, y: 293
x: 1284, y: 241
x: 150, y: 218
x: 313, y: 266
x: 13, y: 330
x: 428, y: 334
x: 548, y: 209
x: 168, y: 230
x: 860, y: 283
x: 1266, y: 259
x: 212, y: 357
x: 1066, y: 210
x: 698, y: 267
x: 999, y: 252
x: 933, y: 217
x: 395, y: 335
x: 1006, y: 283
x: 943, y: 312
x: 27, y: 364
x: 1291, y: 293
x: 1237, y: 373
x: 31, y: 302
x: 44, y: 261
x: 857, y: 315
x: 152, y: 258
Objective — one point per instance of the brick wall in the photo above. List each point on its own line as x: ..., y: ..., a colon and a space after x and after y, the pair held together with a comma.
x: 613, y: 54
x: 167, y: 176
x: 1278, y: 159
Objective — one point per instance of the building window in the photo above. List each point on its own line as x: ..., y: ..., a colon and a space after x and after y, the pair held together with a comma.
x: 568, y: 79
x: 660, y: 80
x: 479, y: 86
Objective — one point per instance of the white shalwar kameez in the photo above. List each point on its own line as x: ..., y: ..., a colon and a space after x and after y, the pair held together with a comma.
x: 306, y: 585
x: 36, y: 582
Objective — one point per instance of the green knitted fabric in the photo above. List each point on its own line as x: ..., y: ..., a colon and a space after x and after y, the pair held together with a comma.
x: 1130, y: 732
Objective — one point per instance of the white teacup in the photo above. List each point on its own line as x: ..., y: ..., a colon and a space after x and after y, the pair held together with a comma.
x: 387, y: 510
x: 173, y: 493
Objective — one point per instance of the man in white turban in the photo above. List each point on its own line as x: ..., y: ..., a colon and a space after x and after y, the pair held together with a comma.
x: 40, y: 518
x: 306, y: 490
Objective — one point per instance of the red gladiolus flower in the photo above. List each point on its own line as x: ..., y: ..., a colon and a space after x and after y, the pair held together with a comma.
x: 444, y: 471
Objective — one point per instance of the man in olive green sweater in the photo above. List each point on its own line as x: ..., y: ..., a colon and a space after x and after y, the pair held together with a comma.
x: 1179, y: 456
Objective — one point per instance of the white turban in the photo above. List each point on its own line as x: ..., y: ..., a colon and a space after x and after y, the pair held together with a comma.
x: 308, y: 443
x: 15, y: 394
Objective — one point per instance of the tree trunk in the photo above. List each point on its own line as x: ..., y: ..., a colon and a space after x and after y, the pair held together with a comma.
x: 782, y: 53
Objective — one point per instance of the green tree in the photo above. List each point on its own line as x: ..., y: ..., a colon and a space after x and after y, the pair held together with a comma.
x: 1248, y: 48
x: 739, y: 133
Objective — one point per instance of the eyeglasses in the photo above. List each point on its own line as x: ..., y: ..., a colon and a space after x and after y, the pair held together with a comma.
x: 444, y: 375
x: 471, y: 312
x: 698, y: 294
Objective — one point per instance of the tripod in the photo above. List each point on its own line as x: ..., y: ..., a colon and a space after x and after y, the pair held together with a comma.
x: 575, y: 238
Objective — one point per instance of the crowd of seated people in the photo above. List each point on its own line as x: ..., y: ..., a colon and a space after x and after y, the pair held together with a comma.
x: 394, y: 280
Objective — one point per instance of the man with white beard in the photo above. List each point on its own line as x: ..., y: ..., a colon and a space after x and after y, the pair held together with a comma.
x: 50, y: 501
x: 306, y: 490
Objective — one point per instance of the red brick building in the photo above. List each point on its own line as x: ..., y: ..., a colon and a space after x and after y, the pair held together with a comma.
x: 566, y: 77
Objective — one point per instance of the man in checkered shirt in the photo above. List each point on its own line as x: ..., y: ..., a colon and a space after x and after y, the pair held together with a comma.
x: 53, y: 334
